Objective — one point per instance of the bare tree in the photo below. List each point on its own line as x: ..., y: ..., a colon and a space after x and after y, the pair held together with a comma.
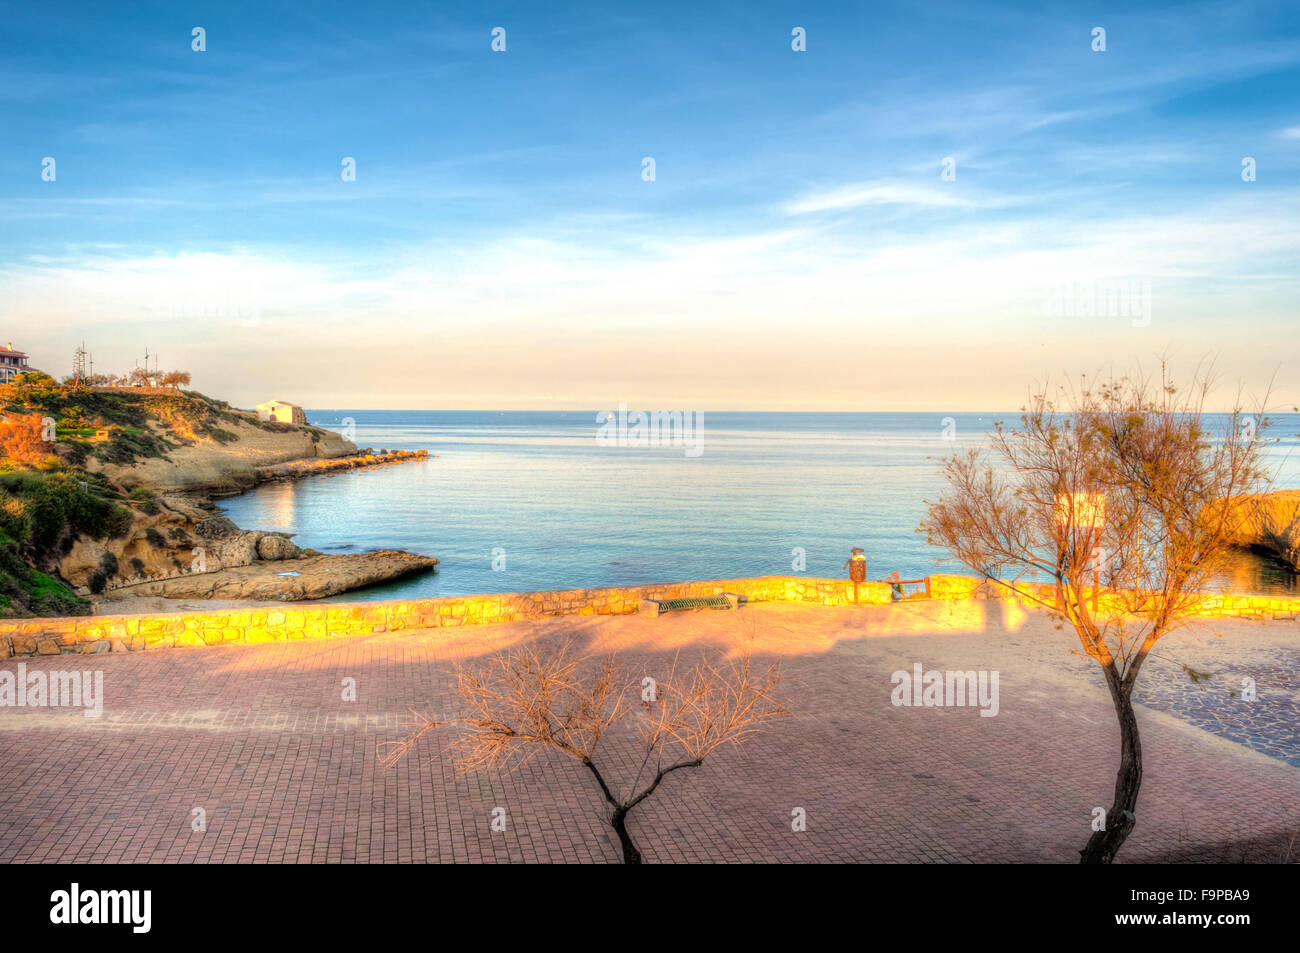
x: 530, y: 699
x: 176, y: 379
x: 1125, y: 499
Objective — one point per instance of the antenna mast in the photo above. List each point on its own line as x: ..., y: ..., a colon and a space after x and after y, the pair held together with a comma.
x: 79, y: 364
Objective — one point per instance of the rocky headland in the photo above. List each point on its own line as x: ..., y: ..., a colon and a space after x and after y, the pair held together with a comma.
x: 184, y: 551
x: 179, y: 548
x: 121, y: 505
x: 297, y: 469
x: 229, y: 465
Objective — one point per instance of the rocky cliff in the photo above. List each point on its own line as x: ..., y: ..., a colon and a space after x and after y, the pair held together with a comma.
x: 1270, y: 523
x: 226, y: 467
x: 176, y: 548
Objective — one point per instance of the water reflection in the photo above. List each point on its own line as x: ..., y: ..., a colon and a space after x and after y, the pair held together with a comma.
x: 1252, y: 573
x: 279, y: 500
x: 773, y: 494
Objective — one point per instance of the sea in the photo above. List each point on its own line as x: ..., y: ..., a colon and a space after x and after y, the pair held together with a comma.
x: 514, y: 501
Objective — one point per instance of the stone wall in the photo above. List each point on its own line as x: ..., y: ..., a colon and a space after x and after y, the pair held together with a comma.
x: 109, y: 633
x: 88, y: 634
x: 1212, y: 605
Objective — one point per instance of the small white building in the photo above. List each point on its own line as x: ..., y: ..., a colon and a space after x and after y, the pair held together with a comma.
x: 282, y: 411
x: 12, y: 363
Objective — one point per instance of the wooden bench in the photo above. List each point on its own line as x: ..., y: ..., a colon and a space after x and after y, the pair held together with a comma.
x: 898, y: 585
x: 657, y: 607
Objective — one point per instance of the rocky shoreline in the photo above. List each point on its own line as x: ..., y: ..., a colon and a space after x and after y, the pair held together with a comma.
x: 179, y: 547
x: 297, y: 469
x: 1269, y: 523
x: 307, y: 575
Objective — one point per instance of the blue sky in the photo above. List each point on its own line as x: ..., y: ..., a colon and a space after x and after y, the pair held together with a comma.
x: 798, y: 248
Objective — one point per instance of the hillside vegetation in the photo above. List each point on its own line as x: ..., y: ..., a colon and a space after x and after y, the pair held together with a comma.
x: 54, y: 438
x: 123, y: 425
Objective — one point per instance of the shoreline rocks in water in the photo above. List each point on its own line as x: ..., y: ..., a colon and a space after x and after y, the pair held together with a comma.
x: 312, y: 576
x: 233, y: 563
x: 129, y: 513
x: 178, y: 547
x: 296, y: 469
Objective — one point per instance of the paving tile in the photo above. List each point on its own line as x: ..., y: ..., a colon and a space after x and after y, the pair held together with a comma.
x: 286, y: 771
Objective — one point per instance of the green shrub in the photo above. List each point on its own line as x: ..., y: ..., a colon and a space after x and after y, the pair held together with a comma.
x: 108, y: 564
x: 118, y: 523
x: 145, y: 497
x: 129, y: 445
x: 25, y: 591
x: 78, y: 451
x: 51, y: 509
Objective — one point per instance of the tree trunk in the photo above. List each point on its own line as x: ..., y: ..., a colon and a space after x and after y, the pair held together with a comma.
x: 1120, y: 820
x: 619, y: 821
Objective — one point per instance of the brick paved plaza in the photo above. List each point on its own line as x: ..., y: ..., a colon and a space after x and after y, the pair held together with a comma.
x: 286, y: 771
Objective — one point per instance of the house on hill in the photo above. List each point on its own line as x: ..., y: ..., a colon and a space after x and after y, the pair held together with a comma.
x: 12, y: 363
x: 282, y: 411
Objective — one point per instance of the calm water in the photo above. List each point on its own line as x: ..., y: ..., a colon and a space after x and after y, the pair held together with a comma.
x: 562, y: 511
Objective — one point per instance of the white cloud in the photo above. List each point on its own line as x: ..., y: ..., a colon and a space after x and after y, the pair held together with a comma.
x: 886, y: 192
x: 498, y: 322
